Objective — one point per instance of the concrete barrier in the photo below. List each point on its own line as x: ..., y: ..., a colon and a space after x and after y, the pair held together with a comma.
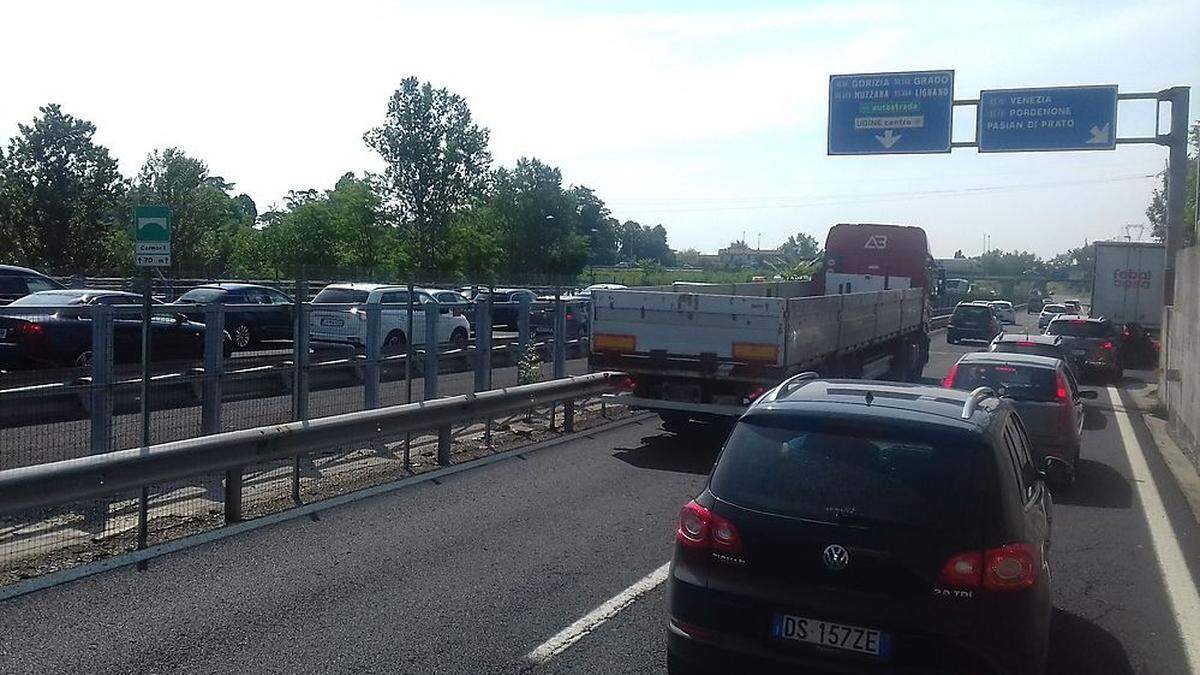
x: 1179, y: 377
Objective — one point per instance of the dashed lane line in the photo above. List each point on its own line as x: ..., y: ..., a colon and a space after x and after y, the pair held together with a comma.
x: 595, y: 618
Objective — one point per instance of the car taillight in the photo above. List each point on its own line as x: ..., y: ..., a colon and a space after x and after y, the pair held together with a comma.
x: 962, y: 570
x: 948, y: 381
x: 29, y: 333
x: 1060, y: 389
x: 1107, y: 346
x: 701, y: 529
x: 755, y: 393
x: 1025, y: 343
x: 627, y: 383
x: 570, y: 316
x: 1011, y: 567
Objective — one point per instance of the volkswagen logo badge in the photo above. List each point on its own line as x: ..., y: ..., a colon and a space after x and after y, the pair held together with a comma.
x: 836, y: 557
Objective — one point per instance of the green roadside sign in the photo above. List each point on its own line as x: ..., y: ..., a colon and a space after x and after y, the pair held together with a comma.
x: 152, y: 236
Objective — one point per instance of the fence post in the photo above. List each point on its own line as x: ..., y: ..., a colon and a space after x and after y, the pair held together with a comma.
x: 443, y: 446
x: 100, y: 401
x: 560, y: 337
x: 569, y: 415
x: 214, y: 361
x: 300, y: 361
x: 483, y: 346
x: 233, y: 495
x: 523, y: 324
x: 300, y: 355
x: 560, y: 346
x: 371, y: 376
x: 432, y: 315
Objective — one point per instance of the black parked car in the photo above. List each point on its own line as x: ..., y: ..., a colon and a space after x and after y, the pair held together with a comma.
x: 17, y: 282
x: 857, y: 526
x: 541, y: 319
x: 63, y: 338
x: 972, y: 321
x: 246, y: 327
x: 506, y: 305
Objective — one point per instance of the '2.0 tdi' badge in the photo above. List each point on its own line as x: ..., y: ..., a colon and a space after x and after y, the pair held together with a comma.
x: 836, y: 557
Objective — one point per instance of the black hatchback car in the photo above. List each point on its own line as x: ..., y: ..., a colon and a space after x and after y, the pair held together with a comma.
x: 972, y: 321
x: 855, y: 526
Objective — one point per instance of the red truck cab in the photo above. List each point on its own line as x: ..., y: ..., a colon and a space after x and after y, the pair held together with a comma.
x: 861, y: 257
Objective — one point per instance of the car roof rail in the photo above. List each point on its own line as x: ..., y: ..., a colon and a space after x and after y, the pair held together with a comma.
x: 794, y: 382
x: 978, y: 395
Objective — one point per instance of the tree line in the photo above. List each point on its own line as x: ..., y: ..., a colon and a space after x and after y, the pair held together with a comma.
x: 439, y: 207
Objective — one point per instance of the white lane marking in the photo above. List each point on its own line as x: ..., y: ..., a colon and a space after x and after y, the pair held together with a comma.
x: 593, y: 619
x: 1180, y: 588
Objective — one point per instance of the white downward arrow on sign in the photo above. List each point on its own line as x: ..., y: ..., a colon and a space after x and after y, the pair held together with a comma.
x: 888, y: 139
x: 1099, y: 135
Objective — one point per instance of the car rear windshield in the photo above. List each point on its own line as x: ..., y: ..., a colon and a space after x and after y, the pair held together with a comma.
x: 202, y: 296
x: 843, y: 472
x: 1084, y: 329
x: 1054, y: 309
x: 972, y: 312
x: 1021, y: 382
x: 340, y: 296
x: 1002, y: 305
x: 1035, y: 348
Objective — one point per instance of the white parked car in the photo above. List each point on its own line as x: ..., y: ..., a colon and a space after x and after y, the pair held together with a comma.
x: 348, y: 325
x: 587, y: 292
x: 1003, y: 310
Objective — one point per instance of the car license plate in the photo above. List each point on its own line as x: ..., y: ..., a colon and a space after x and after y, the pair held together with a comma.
x: 828, y: 634
x: 332, y: 321
x: 1079, y: 352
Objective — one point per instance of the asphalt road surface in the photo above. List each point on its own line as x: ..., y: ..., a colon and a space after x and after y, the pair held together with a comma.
x: 558, y: 554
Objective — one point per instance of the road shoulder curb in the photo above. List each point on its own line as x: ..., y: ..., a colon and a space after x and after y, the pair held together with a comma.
x: 1185, y: 473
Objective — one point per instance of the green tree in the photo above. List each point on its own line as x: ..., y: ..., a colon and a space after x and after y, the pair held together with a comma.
x: 300, y: 238
x: 541, y: 219
x: 1156, y: 212
x: 437, y: 164
x: 476, y: 244
x: 60, y: 194
x: 800, y: 248
x: 363, y: 240
x: 638, y: 242
x: 595, y: 223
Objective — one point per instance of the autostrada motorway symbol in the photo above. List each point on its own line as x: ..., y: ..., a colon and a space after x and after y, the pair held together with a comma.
x: 877, y: 241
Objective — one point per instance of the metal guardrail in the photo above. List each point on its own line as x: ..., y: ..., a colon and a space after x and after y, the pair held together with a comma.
x: 66, y: 481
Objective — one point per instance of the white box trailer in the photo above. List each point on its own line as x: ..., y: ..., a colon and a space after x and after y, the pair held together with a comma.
x: 1128, y: 282
x: 701, y: 350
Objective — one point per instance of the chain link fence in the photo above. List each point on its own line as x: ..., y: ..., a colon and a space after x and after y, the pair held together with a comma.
x: 73, y: 383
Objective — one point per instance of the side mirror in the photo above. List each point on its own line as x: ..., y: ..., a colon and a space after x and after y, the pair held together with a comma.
x: 1055, y: 471
x: 1090, y: 394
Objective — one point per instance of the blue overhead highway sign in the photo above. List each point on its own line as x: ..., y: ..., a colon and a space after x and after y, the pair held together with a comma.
x: 1047, y: 118
x: 891, y: 113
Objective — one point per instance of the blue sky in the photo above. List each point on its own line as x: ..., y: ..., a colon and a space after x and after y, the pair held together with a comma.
x: 707, y: 117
